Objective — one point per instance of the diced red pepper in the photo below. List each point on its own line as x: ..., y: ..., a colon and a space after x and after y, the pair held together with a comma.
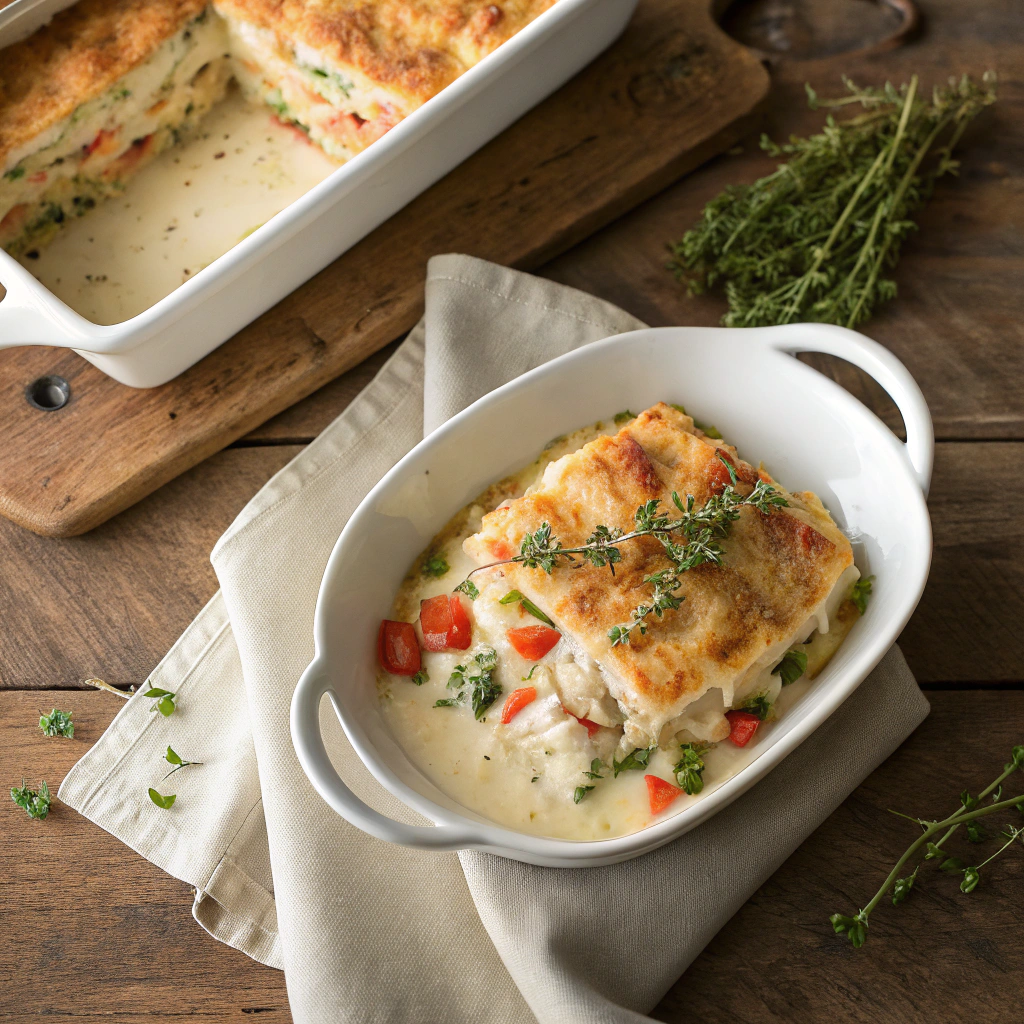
x: 397, y: 648
x: 590, y: 726
x: 38, y: 178
x: 533, y: 642
x: 517, y: 700
x: 445, y: 624
x: 660, y: 793
x: 104, y: 142
x: 744, y: 725
x: 461, y: 635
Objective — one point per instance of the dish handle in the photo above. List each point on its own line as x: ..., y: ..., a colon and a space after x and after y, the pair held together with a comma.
x: 309, y: 745
x: 880, y: 364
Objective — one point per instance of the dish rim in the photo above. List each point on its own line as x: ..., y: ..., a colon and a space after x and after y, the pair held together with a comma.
x: 455, y: 831
x: 32, y: 299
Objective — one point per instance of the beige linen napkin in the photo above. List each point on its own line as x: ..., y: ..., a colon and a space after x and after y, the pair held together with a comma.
x: 366, y: 931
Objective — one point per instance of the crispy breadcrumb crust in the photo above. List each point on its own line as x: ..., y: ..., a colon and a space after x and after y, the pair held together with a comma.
x: 412, y: 48
x: 777, y: 568
x: 78, y: 56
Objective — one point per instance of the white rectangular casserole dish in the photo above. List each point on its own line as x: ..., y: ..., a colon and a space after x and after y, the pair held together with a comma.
x: 809, y: 432
x: 164, y: 340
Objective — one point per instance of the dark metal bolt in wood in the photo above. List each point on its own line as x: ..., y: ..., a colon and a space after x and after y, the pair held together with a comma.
x: 48, y: 393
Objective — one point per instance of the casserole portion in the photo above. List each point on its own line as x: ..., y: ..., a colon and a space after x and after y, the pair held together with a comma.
x: 505, y: 673
x: 345, y: 71
x: 91, y: 98
x: 735, y: 620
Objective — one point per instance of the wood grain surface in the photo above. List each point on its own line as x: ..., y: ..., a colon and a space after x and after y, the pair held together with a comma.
x: 93, y: 932
x: 79, y: 910
x: 670, y: 93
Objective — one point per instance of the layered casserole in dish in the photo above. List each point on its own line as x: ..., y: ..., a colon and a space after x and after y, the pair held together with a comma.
x: 89, y: 99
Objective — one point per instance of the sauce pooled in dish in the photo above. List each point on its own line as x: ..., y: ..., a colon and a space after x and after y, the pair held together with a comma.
x: 605, y: 636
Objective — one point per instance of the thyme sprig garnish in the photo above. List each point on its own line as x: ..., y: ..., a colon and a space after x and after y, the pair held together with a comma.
x: 812, y: 240
x: 971, y: 808
x: 693, y: 538
x: 689, y: 769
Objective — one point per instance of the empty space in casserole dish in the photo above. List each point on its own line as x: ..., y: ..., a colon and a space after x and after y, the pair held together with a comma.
x: 191, y: 205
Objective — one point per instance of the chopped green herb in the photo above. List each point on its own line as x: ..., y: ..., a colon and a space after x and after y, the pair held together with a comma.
x: 166, y: 802
x: 678, y: 408
x: 164, y: 700
x: 420, y: 678
x: 468, y: 587
x: 792, y: 666
x: 527, y: 605
x: 529, y: 675
x: 34, y: 802
x: 623, y: 417
x: 637, y: 760
x: 535, y: 778
x: 759, y: 705
x: 595, y: 769
x: 58, y: 723
x: 14, y: 173
x: 861, y: 593
x: 436, y: 565
x: 475, y: 683
x: 580, y: 792
x: 689, y: 769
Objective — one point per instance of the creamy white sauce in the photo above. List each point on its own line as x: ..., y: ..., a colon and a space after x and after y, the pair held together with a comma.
x: 523, y: 775
x: 190, y: 206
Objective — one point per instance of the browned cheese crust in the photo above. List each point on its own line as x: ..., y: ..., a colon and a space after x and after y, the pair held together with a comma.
x: 77, y: 57
x: 776, y: 569
x: 413, y: 48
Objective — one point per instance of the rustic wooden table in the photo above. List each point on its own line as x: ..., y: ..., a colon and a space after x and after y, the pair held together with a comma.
x: 93, y: 931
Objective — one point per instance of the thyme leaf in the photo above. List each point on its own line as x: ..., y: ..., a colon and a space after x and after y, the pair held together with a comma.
x: 638, y: 760
x: 164, y: 700
x: 57, y: 723
x: 34, y: 802
x: 689, y: 769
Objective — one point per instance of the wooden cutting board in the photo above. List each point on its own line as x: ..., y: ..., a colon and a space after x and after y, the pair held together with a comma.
x: 672, y: 92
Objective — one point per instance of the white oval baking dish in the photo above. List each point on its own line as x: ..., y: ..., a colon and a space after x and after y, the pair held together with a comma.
x: 809, y: 432
x: 166, y: 339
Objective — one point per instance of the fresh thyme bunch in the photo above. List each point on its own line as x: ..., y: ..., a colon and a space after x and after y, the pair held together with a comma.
x: 701, y: 531
x: 812, y: 241
x: 971, y: 809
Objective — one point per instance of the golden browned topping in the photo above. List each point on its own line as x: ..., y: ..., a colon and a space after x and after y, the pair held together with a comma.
x: 777, y: 568
x: 413, y: 48
x: 77, y: 57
